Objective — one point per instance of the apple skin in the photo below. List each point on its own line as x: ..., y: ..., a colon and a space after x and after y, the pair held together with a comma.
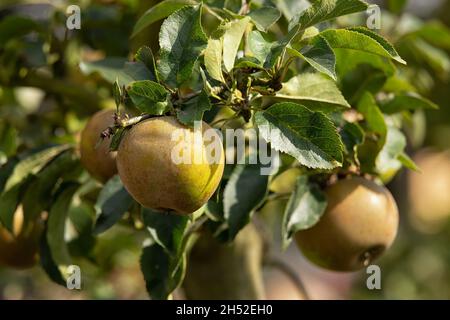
x: 20, y: 249
x: 95, y: 155
x: 150, y: 175
x: 359, y: 224
x: 428, y: 191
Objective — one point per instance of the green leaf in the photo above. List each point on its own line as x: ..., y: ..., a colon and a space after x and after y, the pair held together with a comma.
x: 361, y: 39
x: 145, y: 55
x: 149, y: 97
x: 33, y: 164
x: 9, y: 200
x: 376, y: 131
x: 232, y: 6
x: 193, y: 109
x: 166, y: 229
x: 264, y: 17
x: 214, y: 208
x: 348, y: 60
x: 158, y: 12
x: 213, y: 58
x: 117, y: 138
x: 259, y: 46
x: 325, y: 10
x: 82, y: 215
x: 19, y: 178
x: 117, y: 94
x: 372, y: 115
x: 181, y: 40
x: 8, y: 139
x: 436, y: 58
x: 244, y: 192
x: 248, y: 62
x: 37, y: 198
x: 112, y: 69
x: 352, y: 135
x: 14, y: 27
x: 57, y: 224
x: 406, y: 161
x: 290, y: 7
x: 436, y: 34
x: 367, y: 154
x: 47, y: 262
x: 6, y: 171
x: 162, y: 273
x: 363, y: 79
x: 319, y: 55
x: 8, y: 203
x: 308, y: 136
x: 407, y: 101
x: 382, y: 41
x: 388, y: 162
x: 112, y: 203
x: 304, y: 209
x: 398, y: 84
x: 231, y: 41
x: 135, y: 71
x: 278, y: 49
x: 314, y: 90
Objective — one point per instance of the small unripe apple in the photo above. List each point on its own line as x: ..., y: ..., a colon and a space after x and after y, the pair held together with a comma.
x: 165, y: 165
x: 94, y: 152
x: 20, y: 249
x: 359, y: 224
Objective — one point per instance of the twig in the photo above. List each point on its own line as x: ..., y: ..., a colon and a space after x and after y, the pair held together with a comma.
x: 132, y: 121
x: 286, y: 68
x: 191, y: 95
x: 121, y: 124
x: 196, y: 225
x: 186, y: 97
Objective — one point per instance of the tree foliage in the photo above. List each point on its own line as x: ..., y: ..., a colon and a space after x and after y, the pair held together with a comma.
x: 332, y: 100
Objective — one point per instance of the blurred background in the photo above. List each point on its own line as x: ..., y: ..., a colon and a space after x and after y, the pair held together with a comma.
x: 416, y: 267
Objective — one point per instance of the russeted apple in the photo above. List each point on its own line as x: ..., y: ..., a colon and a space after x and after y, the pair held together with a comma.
x: 94, y: 152
x: 359, y: 224
x: 19, y: 250
x: 165, y: 165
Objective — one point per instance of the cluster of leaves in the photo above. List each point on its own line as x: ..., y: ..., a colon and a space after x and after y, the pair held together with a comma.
x: 332, y: 100
x: 44, y: 96
x: 244, y: 66
x: 43, y: 100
